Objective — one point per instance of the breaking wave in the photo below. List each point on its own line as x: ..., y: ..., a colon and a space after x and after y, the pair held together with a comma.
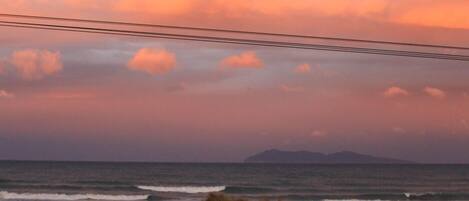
x: 421, y: 195
x: 437, y: 196
x: 350, y: 200
x: 55, y: 196
x: 183, y: 189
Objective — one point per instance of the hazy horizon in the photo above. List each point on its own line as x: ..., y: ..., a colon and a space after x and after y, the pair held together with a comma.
x: 234, y: 161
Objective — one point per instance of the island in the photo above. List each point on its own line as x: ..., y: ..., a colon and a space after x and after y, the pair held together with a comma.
x: 343, y: 157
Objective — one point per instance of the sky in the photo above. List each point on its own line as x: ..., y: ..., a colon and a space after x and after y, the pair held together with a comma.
x: 82, y: 96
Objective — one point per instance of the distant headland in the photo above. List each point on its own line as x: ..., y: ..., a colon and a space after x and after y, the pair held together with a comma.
x: 343, y: 157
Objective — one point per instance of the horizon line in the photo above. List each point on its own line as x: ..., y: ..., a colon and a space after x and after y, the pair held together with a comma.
x: 219, y: 162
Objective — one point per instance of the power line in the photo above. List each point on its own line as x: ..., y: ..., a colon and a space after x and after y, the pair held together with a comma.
x: 232, y: 31
x: 264, y: 43
x: 237, y: 41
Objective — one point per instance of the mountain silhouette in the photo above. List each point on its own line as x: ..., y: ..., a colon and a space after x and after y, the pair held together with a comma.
x: 343, y: 157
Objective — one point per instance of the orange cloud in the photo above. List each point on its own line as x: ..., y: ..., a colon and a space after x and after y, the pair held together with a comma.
x: 331, y: 7
x: 450, y: 14
x: 288, y: 89
x: 434, y: 92
x: 35, y: 64
x: 302, y: 69
x: 395, y: 91
x: 219, y: 13
x: 247, y: 59
x: 162, y: 7
x: 6, y: 94
x: 152, y: 61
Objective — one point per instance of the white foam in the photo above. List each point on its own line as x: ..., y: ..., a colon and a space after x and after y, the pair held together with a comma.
x: 350, y: 200
x: 184, y: 189
x: 409, y: 195
x: 56, y: 196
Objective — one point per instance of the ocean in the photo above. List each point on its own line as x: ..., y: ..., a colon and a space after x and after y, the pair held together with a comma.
x: 192, y: 181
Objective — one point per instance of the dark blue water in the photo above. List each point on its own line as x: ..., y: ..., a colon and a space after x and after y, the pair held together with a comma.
x: 164, y: 181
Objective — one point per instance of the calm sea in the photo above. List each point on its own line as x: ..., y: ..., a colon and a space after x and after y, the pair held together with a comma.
x: 190, y: 181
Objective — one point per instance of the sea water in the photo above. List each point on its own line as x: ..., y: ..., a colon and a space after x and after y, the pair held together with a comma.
x: 193, y: 181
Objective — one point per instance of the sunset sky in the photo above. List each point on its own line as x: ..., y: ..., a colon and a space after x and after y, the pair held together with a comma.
x: 83, y: 96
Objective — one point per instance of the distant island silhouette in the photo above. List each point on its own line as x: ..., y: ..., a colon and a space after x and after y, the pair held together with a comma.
x: 343, y: 157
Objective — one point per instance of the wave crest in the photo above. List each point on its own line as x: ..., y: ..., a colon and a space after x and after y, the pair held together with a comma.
x: 421, y: 195
x: 350, y: 200
x: 56, y: 196
x: 183, y: 189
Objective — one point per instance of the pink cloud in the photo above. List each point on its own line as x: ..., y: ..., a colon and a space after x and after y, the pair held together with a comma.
x: 434, y: 92
x: 465, y: 95
x: 33, y: 64
x: 395, y: 91
x: 152, y: 61
x: 2, y: 67
x: 399, y: 130
x: 288, y: 89
x: 302, y: 69
x: 465, y: 123
x: 247, y: 59
x: 321, y: 71
x: 318, y: 133
x: 181, y: 86
x: 6, y: 94
x: 70, y: 95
